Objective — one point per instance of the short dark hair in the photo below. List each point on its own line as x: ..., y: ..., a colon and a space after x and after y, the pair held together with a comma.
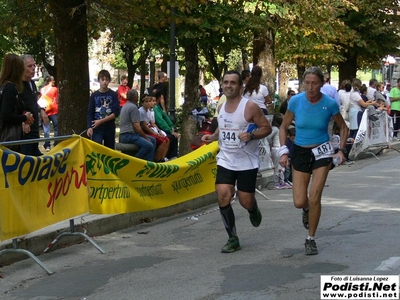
x: 291, y: 91
x: 104, y: 73
x: 277, y: 120
x: 379, y: 101
x: 245, y: 74
x: 373, y: 81
x: 363, y: 88
x: 234, y: 72
x: 123, y: 77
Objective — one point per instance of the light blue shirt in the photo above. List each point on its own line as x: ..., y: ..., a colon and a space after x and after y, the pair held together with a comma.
x: 312, y: 120
x: 330, y: 91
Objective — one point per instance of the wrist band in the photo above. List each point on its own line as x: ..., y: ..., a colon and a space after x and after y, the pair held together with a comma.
x: 283, y: 150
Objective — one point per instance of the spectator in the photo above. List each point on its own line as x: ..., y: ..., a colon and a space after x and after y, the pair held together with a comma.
x: 363, y: 93
x: 203, y: 95
x: 164, y: 123
x: 48, y: 102
x: 273, y: 140
x: 344, y: 99
x: 371, y: 89
x: 200, y: 114
x: 291, y: 134
x: 387, y: 92
x: 160, y: 91
x: 284, y: 105
x: 381, y: 105
x: 356, y: 106
x: 394, y: 97
x: 30, y: 97
x: 122, y: 90
x: 11, y: 107
x: 329, y: 90
x: 130, y: 130
x: 102, y: 111
x: 380, y: 94
x: 257, y: 92
x: 162, y: 141
x: 335, y: 140
x: 246, y: 74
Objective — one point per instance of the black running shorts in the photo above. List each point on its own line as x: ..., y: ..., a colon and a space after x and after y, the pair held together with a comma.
x: 303, y: 160
x: 245, y: 180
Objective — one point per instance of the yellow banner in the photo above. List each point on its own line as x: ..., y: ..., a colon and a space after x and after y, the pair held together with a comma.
x: 36, y: 192
x: 79, y: 176
x: 119, y: 183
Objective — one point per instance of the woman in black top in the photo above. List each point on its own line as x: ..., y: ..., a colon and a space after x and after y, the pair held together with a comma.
x: 12, y: 109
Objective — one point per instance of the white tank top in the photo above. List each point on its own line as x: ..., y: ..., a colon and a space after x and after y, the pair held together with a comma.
x: 234, y: 154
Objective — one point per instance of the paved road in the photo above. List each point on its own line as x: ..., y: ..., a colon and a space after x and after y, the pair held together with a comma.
x: 179, y: 257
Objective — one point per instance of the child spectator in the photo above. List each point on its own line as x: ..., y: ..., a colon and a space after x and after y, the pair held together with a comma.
x: 335, y: 140
x: 381, y: 105
x: 122, y: 90
x: 289, y: 143
x: 149, y: 128
x: 102, y: 111
x: 273, y: 140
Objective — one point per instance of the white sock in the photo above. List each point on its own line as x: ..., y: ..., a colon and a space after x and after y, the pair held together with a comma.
x: 310, y: 238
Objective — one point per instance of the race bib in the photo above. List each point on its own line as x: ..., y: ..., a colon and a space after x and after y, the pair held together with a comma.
x: 230, y: 136
x: 324, y: 150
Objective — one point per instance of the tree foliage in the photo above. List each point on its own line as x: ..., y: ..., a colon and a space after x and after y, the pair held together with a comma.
x: 348, y: 33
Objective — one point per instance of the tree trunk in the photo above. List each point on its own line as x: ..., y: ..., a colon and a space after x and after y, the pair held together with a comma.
x: 284, y: 70
x: 72, y: 61
x: 129, y: 57
x: 264, y: 56
x: 152, y: 70
x: 348, y: 68
x: 301, y: 68
x: 188, y: 129
x: 245, y: 59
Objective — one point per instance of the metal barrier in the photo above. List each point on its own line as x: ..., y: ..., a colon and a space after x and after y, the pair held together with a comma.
x: 15, y: 248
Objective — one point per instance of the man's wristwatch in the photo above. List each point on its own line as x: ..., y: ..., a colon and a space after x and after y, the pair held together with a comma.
x: 252, y: 137
x: 344, y: 150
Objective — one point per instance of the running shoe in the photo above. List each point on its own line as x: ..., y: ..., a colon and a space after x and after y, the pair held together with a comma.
x: 232, y: 245
x: 311, y: 247
x: 305, y: 218
x: 287, y: 185
x: 255, y: 218
x: 278, y: 186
